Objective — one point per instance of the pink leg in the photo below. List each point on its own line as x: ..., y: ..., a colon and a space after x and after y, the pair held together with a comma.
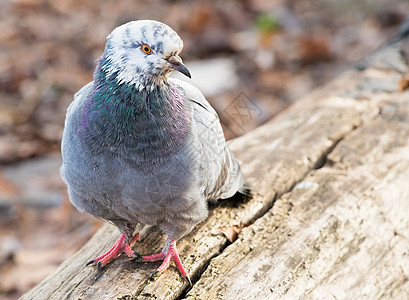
x: 168, y: 254
x: 122, y: 245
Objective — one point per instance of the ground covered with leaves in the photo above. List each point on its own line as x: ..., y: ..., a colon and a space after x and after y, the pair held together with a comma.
x: 251, y: 58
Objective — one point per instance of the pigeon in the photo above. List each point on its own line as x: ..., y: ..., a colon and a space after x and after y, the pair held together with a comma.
x: 140, y: 148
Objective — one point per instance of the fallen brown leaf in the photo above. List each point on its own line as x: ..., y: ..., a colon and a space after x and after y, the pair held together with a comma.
x: 403, y: 83
x: 232, y: 232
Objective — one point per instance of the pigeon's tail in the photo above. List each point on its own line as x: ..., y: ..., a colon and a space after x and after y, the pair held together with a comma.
x: 244, y: 186
x: 235, y: 181
x: 245, y: 190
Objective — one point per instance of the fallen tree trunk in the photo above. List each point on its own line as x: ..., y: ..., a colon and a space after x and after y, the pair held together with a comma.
x: 329, y: 217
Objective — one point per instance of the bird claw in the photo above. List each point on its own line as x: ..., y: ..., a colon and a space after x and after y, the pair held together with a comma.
x: 153, y: 275
x: 188, y: 280
x: 99, y: 266
x: 137, y: 257
x: 92, y: 261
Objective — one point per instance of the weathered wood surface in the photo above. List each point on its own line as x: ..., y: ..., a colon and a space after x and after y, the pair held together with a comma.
x: 330, y: 213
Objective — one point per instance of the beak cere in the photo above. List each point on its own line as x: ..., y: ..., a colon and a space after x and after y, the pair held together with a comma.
x: 177, y: 64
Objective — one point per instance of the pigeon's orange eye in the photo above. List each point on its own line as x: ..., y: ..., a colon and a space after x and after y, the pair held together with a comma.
x: 146, y: 49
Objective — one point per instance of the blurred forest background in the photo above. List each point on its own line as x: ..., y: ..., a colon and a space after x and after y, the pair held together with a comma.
x: 251, y: 58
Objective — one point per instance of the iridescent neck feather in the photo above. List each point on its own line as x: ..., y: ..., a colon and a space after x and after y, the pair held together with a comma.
x: 127, y: 121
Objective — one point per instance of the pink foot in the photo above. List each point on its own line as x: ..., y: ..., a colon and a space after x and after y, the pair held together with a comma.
x: 122, y: 245
x: 168, y: 253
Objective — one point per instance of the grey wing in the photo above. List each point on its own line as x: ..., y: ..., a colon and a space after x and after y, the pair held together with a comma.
x: 79, y: 98
x: 71, y: 121
x: 72, y: 112
x: 219, y: 170
x: 70, y: 148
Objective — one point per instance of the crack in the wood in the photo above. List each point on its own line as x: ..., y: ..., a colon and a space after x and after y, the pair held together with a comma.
x: 72, y: 290
x: 322, y: 160
x: 140, y: 289
x: 318, y: 164
x: 198, y: 274
x: 69, y: 279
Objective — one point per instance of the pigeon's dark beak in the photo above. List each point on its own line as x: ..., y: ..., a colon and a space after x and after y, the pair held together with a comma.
x: 177, y: 64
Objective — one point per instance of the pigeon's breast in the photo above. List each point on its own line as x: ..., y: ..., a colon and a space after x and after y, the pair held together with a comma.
x: 168, y: 186
x: 117, y: 185
x: 120, y: 163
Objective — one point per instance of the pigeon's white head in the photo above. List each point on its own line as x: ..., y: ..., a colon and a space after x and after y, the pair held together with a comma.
x: 143, y: 53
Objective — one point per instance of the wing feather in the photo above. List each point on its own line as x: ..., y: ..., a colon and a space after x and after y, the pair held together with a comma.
x: 221, y: 173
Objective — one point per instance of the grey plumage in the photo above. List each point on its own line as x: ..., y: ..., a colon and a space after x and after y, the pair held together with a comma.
x: 141, y: 149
